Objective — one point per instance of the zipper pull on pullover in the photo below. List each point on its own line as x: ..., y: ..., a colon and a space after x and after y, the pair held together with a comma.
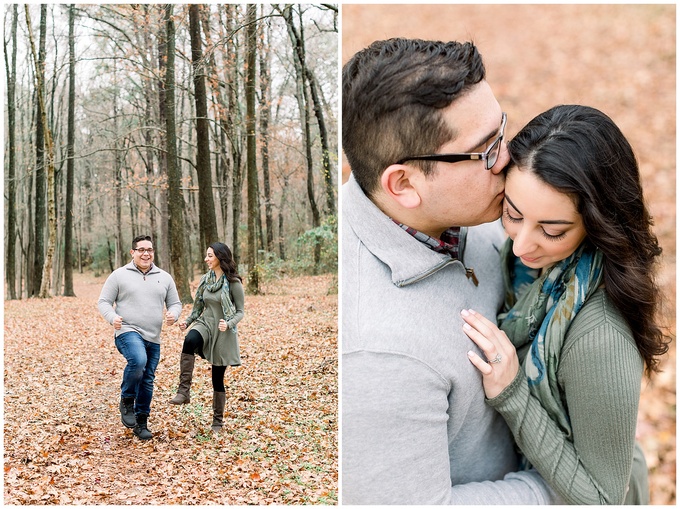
x: 470, y: 273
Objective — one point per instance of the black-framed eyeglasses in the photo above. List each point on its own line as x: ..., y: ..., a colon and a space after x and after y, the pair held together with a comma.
x: 141, y: 250
x: 490, y: 155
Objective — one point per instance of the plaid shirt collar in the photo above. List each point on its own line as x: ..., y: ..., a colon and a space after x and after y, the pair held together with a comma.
x: 447, y: 244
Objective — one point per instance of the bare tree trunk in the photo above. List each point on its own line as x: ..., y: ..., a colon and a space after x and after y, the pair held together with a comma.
x: 79, y: 244
x: 206, y: 204
x: 46, y: 282
x: 148, y: 140
x: 175, y: 198
x: 222, y: 168
x: 132, y: 200
x: 25, y: 197
x: 162, y: 239
x: 118, y: 178
x: 68, y: 209
x: 58, y: 262
x: 11, y: 69
x: 234, y: 134
x: 251, y: 147
x: 298, y: 40
x: 28, y: 248
x: 323, y: 136
x: 108, y: 245
x: 303, y: 102
x: 282, y: 207
x: 40, y: 184
x: 223, y: 177
x: 265, y: 105
x: 189, y: 207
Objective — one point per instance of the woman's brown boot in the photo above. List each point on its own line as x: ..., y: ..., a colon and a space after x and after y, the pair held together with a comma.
x: 219, y: 399
x: 186, y: 374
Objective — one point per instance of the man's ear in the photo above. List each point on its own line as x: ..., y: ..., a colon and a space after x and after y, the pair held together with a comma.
x: 397, y: 182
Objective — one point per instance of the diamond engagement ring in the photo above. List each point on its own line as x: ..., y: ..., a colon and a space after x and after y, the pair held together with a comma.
x: 496, y: 359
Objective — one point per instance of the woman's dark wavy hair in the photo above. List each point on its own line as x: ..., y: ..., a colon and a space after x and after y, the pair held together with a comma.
x: 580, y: 151
x: 227, y: 263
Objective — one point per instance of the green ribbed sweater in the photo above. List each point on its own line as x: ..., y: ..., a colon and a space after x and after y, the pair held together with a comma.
x: 599, y: 377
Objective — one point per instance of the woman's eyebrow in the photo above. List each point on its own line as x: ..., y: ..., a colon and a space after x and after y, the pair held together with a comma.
x: 544, y: 221
x: 513, y: 205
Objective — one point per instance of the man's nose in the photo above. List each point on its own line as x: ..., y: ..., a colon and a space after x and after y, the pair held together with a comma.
x: 503, y: 159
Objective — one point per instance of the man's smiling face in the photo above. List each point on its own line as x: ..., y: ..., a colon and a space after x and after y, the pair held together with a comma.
x: 143, y: 260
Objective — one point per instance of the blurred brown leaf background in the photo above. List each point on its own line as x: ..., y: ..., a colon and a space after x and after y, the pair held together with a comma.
x: 617, y: 58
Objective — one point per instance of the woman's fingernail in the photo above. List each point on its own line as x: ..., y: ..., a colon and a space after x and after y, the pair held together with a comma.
x: 464, y: 312
x: 466, y: 326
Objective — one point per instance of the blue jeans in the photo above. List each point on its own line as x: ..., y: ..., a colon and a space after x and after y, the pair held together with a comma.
x: 142, y: 358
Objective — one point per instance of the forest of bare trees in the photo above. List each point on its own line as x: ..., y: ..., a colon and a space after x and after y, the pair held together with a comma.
x: 192, y: 123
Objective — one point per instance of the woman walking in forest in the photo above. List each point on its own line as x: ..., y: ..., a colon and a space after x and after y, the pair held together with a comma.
x: 218, y: 307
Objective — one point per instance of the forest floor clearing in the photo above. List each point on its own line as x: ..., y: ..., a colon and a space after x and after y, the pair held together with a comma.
x: 64, y: 442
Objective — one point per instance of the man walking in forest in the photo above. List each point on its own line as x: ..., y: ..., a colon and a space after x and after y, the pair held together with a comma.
x: 139, y: 291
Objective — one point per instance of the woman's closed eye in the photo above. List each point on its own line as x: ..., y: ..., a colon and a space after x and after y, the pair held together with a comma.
x: 549, y: 236
x: 510, y: 218
x: 555, y: 237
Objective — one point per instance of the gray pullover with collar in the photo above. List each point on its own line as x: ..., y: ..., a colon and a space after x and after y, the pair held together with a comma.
x: 415, y: 426
x: 139, y: 298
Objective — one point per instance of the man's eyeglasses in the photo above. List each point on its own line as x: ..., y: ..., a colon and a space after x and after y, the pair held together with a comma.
x: 141, y: 250
x: 490, y: 155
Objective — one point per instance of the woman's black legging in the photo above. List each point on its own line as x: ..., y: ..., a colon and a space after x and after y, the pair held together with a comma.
x: 218, y: 378
x: 193, y: 344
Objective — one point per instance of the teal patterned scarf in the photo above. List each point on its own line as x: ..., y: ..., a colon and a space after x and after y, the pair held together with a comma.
x: 540, y: 309
x: 211, y: 283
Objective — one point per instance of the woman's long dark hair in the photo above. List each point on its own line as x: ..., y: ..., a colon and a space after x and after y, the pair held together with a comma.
x: 227, y: 263
x: 580, y: 151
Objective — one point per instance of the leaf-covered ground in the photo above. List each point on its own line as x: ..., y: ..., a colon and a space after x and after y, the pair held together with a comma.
x: 64, y: 442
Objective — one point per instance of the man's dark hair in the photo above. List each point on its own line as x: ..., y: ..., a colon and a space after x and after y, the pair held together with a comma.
x: 393, y: 94
x: 140, y: 238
